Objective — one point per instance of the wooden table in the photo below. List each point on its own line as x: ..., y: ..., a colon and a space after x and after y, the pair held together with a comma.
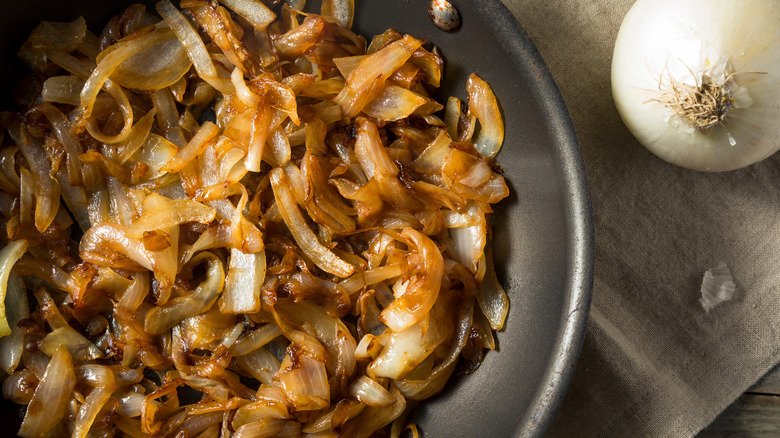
x: 756, y: 413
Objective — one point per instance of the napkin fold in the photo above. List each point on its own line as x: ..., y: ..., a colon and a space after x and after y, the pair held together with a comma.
x: 654, y: 363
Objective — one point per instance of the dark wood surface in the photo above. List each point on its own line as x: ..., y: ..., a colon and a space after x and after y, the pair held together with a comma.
x: 755, y: 414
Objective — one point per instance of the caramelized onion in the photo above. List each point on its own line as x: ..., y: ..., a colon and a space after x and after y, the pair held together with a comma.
x: 50, y: 401
x: 280, y: 232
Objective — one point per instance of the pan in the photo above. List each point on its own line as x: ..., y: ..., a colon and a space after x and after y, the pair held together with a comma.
x: 543, y: 237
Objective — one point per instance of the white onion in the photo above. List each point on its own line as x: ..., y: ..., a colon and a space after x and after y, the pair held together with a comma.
x: 729, y: 49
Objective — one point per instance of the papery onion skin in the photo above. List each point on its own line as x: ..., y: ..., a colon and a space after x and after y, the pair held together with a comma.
x: 665, y: 42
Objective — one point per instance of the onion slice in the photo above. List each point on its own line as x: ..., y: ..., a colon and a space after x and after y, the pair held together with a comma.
x: 161, y: 318
x: 8, y: 257
x: 343, y: 11
x: 253, y: 11
x: 324, y: 258
x: 491, y: 297
x: 196, y: 50
x: 245, y: 276
x: 51, y: 397
x: 16, y: 309
x: 483, y: 104
x: 360, y: 87
x: 426, y: 269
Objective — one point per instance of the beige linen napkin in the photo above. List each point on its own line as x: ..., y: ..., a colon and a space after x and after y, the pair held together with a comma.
x: 654, y: 363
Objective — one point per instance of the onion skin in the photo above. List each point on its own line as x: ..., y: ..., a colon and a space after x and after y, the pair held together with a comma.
x: 664, y: 40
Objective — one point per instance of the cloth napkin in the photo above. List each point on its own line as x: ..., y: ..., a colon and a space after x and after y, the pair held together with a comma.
x: 654, y: 363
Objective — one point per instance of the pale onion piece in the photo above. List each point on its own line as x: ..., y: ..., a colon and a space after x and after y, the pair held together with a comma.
x: 206, y: 134
x: 100, y: 239
x: 245, y: 277
x: 404, y: 350
x: 430, y: 63
x: 51, y: 35
x: 214, y: 237
x: 259, y: 129
x: 394, y: 103
x: 432, y: 382
x: 477, y: 175
x: 360, y: 280
x: 109, y: 62
x: 47, y: 198
x: 16, y: 309
x: 369, y: 392
x: 338, y: 414
x: 324, y: 258
x: 89, y: 410
x: 127, y: 115
x: 306, y: 384
x: 54, y: 37
x: 323, y: 89
x: 75, y: 199
x: 50, y: 401
x: 168, y: 116
x: 62, y: 127
x: 343, y: 11
x: 716, y: 287
x: 483, y: 104
x: 331, y: 334
x: 156, y: 152
x: 196, y: 49
x: 348, y: 63
x: 666, y: 46
x: 79, y: 347
x: 155, y: 67
x: 280, y: 146
x: 169, y: 213
x: 298, y: 39
x: 9, y: 255
x: 425, y: 271
x: 40, y: 184
x: 137, y: 137
x: 482, y: 324
x: 268, y: 407
x: 374, y: 418
x: 247, y: 96
x: 260, y: 364
x: 130, y: 404
x: 370, y: 346
x: 491, y: 297
x: 20, y: 386
x: 121, y: 207
x: 162, y: 318
x: 452, y: 113
x: 255, y: 339
x: 360, y: 88
x: 370, y: 151
x: 253, y: 11
x: 432, y: 157
x: 468, y: 243
x: 225, y: 34
x: 455, y: 219
x: 269, y: 428
x: 63, y: 89
x: 70, y: 63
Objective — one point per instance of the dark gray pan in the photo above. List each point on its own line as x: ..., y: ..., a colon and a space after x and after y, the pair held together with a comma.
x: 543, y: 232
